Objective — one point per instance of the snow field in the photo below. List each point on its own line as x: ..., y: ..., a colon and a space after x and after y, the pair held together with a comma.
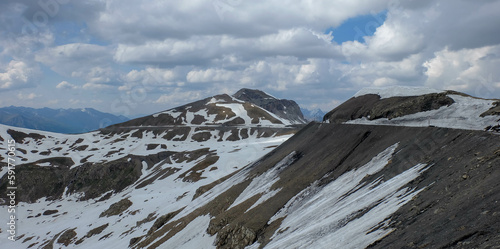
x: 161, y: 197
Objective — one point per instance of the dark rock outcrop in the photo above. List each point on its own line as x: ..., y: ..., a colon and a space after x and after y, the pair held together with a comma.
x: 91, y: 179
x: 116, y: 208
x: 373, y: 107
x: 495, y: 110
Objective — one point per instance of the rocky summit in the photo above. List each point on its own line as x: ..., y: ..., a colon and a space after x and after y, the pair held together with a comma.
x: 389, y: 168
x: 284, y: 108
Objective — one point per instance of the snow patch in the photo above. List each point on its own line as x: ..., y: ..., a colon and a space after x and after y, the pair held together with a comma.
x: 333, y: 215
x: 194, y: 235
x: 463, y: 114
x: 262, y: 184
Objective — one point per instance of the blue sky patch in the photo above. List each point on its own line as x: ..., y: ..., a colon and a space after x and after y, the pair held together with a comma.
x: 356, y: 28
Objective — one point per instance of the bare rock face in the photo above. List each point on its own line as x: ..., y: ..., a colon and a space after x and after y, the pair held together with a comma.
x: 495, y: 110
x: 284, y: 108
x: 117, y: 208
x: 92, y: 179
x: 235, y: 237
x: 67, y: 237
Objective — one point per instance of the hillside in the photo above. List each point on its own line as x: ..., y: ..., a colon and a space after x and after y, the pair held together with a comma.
x: 418, y: 107
x: 60, y: 120
x: 193, y: 177
x: 219, y: 110
x: 283, y: 108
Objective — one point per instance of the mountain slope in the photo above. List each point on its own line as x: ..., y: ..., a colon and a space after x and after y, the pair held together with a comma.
x: 345, y: 185
x: 60, y: 120
x: 350, y: 186
x: 58, y: 173
x: 213, y: 111
x: 311, y: 192
x: 283, y: 108
x: 313, y: 115
x: 406, y: 107
x: 218, y: 184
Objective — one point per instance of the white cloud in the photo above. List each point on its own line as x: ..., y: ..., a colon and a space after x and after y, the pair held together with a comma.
x: 378, y: 73
x: 18, y: 74
x: 95, y: 86
x: 173, y: 48
x: 22, y: 47
x: 180, y: 20
x: 204, y: 50
x: 29, y: 96
x: 75, y: 101
x: 66, y: 85
x: 471, y: 70
x: 178, y: 97
x: 210, y: 75
x: 152, y: 76
x: 92, y: 63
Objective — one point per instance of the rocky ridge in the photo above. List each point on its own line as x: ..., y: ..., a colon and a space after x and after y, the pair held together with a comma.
x: 283, y: 108
x: 440, y: 108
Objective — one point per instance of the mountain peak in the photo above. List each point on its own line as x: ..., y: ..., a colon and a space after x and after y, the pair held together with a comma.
x: 247, y: 94
x: 283, y: 108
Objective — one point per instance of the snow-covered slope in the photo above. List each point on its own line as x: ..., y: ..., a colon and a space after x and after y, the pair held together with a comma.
x: 210, y: 182
x: 163, y: 187
x: 404, y: 106
x: 153, y: 164
x: 38, y: 147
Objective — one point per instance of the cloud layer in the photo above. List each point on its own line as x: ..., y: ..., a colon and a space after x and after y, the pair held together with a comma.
x: 144, y: 56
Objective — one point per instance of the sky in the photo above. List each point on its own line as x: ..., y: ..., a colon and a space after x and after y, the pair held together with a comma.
x: 132, y: 57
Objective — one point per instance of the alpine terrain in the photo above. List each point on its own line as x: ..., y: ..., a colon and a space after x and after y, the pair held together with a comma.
x: 58, y: 120
x: 389, y: 168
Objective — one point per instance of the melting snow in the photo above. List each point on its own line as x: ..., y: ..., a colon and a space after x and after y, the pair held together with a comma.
x: 194, y: 235
x: 347, y: 212
x: 163, y: 196
x: 262, y: 184
x: 463, y: 114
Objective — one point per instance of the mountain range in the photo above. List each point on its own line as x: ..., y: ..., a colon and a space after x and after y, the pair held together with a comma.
x: 58, y: 120
x: 389, y: 168
x: 313, y: 115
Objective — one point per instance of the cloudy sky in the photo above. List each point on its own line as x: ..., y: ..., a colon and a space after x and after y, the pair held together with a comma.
x: 134, y: 57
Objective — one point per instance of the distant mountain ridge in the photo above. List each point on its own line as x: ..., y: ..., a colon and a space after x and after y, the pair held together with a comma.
x: 313, y: 115
x: 58, y: 120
